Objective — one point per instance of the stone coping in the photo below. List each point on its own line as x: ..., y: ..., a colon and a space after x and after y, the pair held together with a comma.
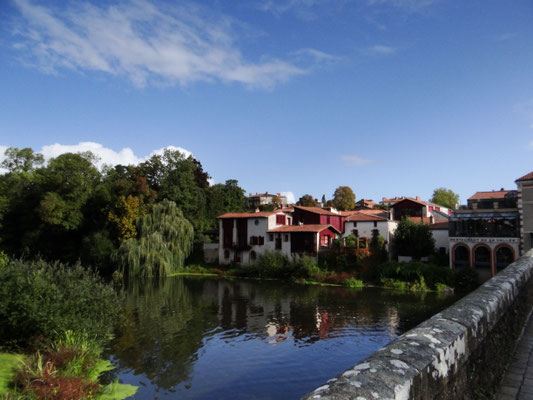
x: 448, y: 354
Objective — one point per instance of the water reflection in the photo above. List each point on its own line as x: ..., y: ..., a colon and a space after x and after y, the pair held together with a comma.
x: 209, y: 338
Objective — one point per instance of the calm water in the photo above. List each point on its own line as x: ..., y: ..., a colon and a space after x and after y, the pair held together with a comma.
x: 200, y: 338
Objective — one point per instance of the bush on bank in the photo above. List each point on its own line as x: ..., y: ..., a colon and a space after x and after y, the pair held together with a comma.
x: 415, y: 274
x: 41, y: 299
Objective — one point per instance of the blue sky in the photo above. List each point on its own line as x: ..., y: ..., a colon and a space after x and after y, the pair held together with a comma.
x: 389, y: 97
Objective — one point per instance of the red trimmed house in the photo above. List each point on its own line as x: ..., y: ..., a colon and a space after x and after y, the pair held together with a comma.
x: 318, y: 216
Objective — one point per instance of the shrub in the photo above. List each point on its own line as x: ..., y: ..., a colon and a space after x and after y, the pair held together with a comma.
x: 353, y: 283
x: 44, y: 299
x: 417, y: 272
x: 303, y: 267
x: 466, y: 279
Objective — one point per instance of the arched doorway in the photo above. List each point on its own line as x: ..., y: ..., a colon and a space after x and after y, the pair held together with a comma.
x: 461, y: 257
x: 482, y: 261
x: 504, y: 257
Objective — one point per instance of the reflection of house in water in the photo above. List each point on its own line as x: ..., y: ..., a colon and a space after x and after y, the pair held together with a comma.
x: 485, y: 235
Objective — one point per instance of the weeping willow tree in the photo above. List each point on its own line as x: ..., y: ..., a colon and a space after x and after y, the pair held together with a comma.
x: 164, y: 239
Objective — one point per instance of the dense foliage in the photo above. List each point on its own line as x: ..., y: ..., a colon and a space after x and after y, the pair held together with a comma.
x: 70, y: 210
x: 445, y: 197
x: 164, y: 241
x: 416, y: 273
x: 343, y: 198
x: 274, y: 265
x: 45, y: 299
x: 413, y: 239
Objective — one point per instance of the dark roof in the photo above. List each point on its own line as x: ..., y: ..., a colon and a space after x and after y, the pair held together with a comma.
x: 303, y: 228
x: 527, y: 177
x: 317, y: 210
x: 439, y: 225
x: 262, y: 214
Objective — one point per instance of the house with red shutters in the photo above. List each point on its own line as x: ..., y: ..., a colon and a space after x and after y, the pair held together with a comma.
x: 293, y: 232
x: 366, y: 225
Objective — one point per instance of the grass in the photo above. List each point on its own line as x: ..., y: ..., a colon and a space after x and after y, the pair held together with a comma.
x: 9, y: 365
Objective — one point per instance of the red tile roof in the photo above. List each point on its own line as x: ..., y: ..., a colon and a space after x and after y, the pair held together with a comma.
x: 381, y: 213
x: 439, y: 225
x: 527, y: 177
x: 303, y: 228
x: 317, y: 210
x: 262, y: 214
x: 500, y: 194
x: 359, y: 216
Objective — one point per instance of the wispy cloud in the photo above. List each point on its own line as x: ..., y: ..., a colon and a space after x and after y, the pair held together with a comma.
x: 380, y: 49
x: 353, y: 160
x: 308, y: 9
x: 506, y: 36
x: 106, y: 156
x: 318, y: 57
x: 406, y: 5
x: 145, y: 42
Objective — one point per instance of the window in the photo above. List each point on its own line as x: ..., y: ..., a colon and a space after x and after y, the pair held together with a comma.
x: 286, y: 238
x: 375, y: 224
x: 253, y: 255
x: 226, y: 253
x: 256, y: 222
x: 324, y: 241
x: 261, y: 240
x: 355, y: 232
x: 271, y: 237
x: 280, y: 219
x: 253, y: 240
x: 355, y: 224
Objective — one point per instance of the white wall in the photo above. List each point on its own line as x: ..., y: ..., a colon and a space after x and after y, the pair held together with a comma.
x: 442, y: 239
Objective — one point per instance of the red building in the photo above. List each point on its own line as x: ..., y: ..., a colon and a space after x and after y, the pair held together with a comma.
x: 318, y: 216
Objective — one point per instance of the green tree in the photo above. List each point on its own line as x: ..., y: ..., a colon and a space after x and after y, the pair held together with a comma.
x: 324, y: 199
x: 412, y: 239
x: 307, y: 201
x: 445, y: 197
x: 181, y: 179
x: 344, y: 198
x: 21, y: 160
x: 227, y: 197
x: 164, y: 240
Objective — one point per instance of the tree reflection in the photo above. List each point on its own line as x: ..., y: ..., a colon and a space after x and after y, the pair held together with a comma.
x: 169, y: 321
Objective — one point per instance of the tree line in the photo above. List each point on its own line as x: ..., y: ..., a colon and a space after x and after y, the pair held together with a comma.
x: 70, y: 210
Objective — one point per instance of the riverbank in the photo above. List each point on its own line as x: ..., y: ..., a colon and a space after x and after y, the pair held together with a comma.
x: 413, y: 276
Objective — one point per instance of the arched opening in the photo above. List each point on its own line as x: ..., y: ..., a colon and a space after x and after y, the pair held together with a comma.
x: 461, y: 258
x: 504, y: 257
x: 253, y: 256
x: 482, y: 262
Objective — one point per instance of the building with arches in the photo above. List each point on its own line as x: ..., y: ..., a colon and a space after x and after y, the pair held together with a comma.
x: 493, y: 230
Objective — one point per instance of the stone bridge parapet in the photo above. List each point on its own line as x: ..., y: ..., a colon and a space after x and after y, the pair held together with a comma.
x: 459, y: 353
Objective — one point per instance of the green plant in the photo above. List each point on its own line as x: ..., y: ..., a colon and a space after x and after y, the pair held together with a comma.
x: 45, y: 299
x: 394, y: 284
x: 353, y: 283
x: 165, y: 239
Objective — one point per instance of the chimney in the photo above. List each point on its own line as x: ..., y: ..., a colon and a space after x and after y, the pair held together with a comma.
x: 383, y: 199
x: 418, y: 198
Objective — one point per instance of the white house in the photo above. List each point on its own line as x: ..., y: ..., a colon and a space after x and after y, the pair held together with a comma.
x: 365, y: 225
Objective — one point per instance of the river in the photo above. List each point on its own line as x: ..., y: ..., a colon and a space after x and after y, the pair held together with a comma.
x: 206, y: 338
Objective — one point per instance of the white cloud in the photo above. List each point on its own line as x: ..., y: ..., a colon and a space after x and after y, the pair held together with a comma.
x: 306, y: 9
x: 407, y: 5
x: 105, y: 155
x: 291, y: 199
x: 353, y: 160
x: 319, y: 57
x: 381, y: 49
x: 144, y: 42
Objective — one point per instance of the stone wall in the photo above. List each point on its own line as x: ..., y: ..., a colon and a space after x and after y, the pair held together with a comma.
x: 459, y: 353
